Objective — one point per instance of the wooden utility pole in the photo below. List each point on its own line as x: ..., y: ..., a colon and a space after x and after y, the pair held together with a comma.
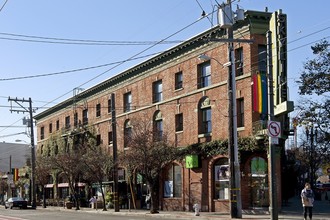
x: 114, y: 145
x: 21, y: 108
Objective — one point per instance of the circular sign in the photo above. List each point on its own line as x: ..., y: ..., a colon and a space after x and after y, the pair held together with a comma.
x: 274, y: 129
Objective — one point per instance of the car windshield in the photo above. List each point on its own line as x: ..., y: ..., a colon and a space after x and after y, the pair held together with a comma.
x: 17, y: 199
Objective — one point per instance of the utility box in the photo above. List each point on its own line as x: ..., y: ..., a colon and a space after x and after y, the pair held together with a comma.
x: 225, y: 16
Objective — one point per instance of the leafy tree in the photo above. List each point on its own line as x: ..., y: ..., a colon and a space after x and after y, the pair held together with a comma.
x: 314, y: 108
x: 98, y: 164
x: 149, y: 152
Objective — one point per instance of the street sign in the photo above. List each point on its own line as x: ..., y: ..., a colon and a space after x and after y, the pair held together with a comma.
x: 274, y: 129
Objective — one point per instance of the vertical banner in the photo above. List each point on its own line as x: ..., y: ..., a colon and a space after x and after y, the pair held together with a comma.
x: 260, y: 94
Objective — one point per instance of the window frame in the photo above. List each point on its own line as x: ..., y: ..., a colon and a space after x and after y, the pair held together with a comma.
x: 178, y: 83
x: 240, y: 112
x: 98, y: 110
x: 204, y: 74
x: 239, y: 61
x: 67, y: 122
x: 85, y: 116
x: 179, y: 122
x: 127, y: 102
x: 173, y: 182
x: 157, y: 91
x: 221, y: 187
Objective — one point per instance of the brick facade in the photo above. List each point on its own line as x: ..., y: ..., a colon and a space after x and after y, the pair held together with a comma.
x: 197, y: 183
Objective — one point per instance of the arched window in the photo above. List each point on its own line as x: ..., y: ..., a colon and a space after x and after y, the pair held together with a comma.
x: 127, y: 133
x: 205, y: 116
x: 173, y: 182
x: 158, y: 126
x: 221, y: 179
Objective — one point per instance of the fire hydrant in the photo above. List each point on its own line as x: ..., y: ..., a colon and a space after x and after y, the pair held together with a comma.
x: 196, y: 207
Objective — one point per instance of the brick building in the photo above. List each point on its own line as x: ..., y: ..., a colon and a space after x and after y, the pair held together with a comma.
x: 188, y: 98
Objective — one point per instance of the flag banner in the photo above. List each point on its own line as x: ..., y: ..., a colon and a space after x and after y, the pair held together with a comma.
x: 260, y: 93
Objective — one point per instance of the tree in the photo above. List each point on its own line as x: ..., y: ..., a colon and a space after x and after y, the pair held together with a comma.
x: 68, y: 157
x: 314, y: 109
x: 149, y: 152
x: 98, y: 164
x: 42, y: 170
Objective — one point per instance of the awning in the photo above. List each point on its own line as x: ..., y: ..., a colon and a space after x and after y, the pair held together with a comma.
x: 49, y: 185
x: 62, y: 185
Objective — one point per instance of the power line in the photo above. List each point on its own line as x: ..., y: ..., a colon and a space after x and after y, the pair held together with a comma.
x: 74, y: 70
x: 53, y: 40
x: 3, y: 5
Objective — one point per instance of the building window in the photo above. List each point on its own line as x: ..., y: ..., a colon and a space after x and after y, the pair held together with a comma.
x: 262, y: 58
x: 173, y: 182
x: 157, y: 90
x: 204, y: 75
x: 42, y: 133
x: 109, y: 106
x: 239, y: 61
x: 127, y: 133
x: 259, y: 182
x: 240, y: 112
x: 127, y: 102
x: 67, y: 122
x: 75, y: 119
x: 50, y: 128
x: 98, y: 110
x: 110, y: 137
x: 179, y: 122
x: 178, y: 80
x: 98, y: 140
x: 57, y: 125
x: 85, y: 116
x: 205, y: 116
x: 158, y: 126
x: 221, y: 179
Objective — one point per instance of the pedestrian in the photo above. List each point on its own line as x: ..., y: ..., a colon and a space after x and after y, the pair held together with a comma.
x: 307, y: 199
x: 92, y: 202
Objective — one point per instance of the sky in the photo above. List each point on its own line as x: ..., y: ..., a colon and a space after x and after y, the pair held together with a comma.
x: 49, y: 48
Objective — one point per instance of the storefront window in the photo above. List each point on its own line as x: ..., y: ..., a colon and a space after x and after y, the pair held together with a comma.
x: 259, y: 182
x: 173, y: 182
x: 221, y: 179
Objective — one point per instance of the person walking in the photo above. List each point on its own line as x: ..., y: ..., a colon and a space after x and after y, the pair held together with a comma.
x: 307, y: 199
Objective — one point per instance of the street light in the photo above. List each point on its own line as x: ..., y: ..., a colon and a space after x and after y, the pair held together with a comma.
x: 235, y: 178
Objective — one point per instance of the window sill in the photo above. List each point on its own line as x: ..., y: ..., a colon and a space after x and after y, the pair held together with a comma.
x: 240, y: 128
x: 177, y: 90
x: 205, y: 135
x: 179, y: 132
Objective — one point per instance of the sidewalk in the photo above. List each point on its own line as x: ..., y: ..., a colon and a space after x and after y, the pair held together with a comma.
x: 293, y: 210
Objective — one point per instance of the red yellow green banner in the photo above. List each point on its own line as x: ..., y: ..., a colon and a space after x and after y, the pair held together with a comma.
x: 260, y: 94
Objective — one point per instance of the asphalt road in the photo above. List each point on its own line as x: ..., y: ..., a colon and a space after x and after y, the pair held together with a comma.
x: 44, y: 214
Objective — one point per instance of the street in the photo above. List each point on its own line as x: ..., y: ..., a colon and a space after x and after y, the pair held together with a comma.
x: 42, y: 214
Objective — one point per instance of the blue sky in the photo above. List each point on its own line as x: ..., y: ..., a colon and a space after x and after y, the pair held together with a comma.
x: 105, y: 20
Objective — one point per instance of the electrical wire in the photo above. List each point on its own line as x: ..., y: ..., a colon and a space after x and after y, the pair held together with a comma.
x: 3, y: 5
x: 74, y: 70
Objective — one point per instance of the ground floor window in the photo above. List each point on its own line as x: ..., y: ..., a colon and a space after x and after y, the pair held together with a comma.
x: 221, y: 179
x: 173, y: 182
x: 259, y: 182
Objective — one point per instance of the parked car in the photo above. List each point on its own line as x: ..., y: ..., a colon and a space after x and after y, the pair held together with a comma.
x: 16, y: 202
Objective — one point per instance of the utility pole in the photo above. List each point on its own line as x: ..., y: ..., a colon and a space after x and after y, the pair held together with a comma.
x: 226, y: 19
x: 30, y: 110
x: 235, y: 178
x: 114, y: 145
x: 272, y: 179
